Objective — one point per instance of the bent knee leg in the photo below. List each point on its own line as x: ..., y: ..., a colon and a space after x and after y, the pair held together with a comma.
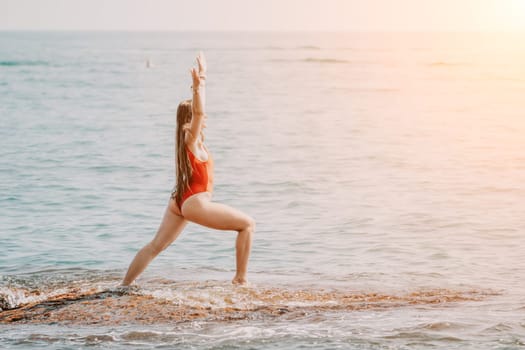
x: 215, y: 215
x: 249, y: 224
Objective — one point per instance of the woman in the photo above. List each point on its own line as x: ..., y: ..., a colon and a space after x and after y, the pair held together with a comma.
x: 191, y: 197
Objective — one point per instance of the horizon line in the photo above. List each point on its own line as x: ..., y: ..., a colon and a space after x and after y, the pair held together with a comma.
x: 265, y: 31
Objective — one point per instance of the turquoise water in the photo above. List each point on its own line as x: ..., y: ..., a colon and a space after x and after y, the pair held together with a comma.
x: 386, y: 163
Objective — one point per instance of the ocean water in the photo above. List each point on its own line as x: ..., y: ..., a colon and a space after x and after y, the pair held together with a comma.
x: 386, y: 173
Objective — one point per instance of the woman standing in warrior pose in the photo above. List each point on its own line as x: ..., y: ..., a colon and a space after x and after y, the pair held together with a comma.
x: 191, y: 198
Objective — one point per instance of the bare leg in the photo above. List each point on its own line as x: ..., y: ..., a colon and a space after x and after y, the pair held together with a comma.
x: 243, y: 246
x: 171, y: 226
x: 201, y: 210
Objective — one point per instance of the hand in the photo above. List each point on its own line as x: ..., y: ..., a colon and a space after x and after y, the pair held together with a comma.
x: 196, y: 79
x: 201, y: 61
x: 199, y: 76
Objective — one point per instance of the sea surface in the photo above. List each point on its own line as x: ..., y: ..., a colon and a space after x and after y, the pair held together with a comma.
x: 386, y: 174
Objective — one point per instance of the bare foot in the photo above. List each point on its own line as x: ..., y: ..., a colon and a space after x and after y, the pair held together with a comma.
x: 125, y: 288
x: 239, y: 280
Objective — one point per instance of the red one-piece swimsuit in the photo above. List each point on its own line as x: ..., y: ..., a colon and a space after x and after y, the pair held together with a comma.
x: 201, y: 178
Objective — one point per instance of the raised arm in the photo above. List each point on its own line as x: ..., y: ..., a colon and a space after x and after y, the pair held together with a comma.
x: 198, y: 98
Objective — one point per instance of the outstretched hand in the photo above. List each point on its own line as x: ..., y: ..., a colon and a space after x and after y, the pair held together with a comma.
x: 199, y: 75
x: 201, y: 61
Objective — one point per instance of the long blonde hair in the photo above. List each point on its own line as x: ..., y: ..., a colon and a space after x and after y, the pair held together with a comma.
x: 183, y: 168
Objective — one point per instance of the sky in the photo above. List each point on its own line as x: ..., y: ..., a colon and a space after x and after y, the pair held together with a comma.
x: 264, y: 15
